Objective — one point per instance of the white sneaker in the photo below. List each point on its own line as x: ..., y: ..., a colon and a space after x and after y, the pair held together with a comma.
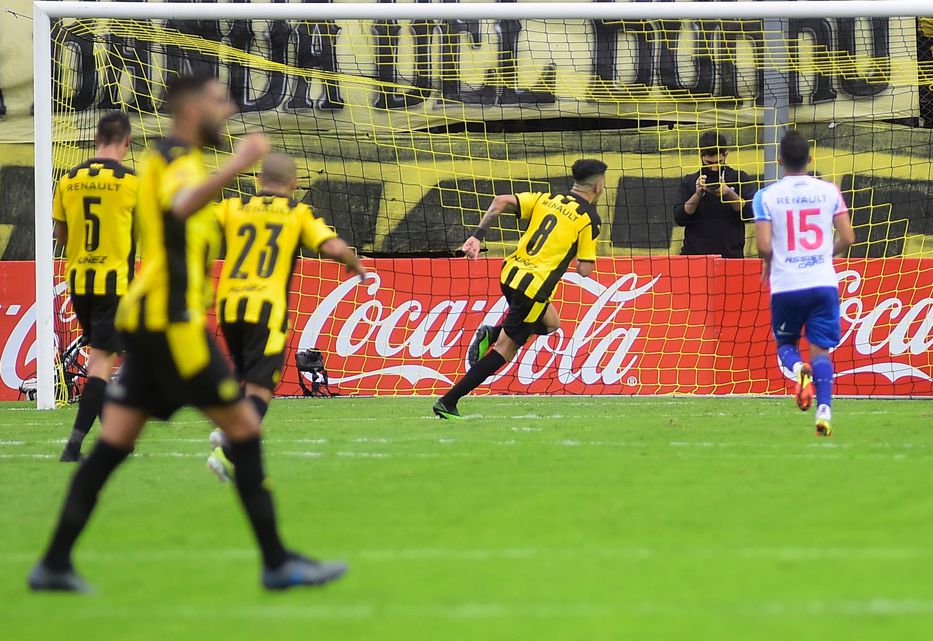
x: 218, y: 439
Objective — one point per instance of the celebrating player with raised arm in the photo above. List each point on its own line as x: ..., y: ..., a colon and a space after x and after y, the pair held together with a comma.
x: 263, y: 235
x: 561, y: 227
x: 171, y: 360
x: 93, y: 213
x: 794, y: 221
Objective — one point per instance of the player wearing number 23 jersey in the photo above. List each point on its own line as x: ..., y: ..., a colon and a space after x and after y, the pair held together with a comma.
x: 561, y: 227
x: 795, y: 219
x: 263, y: 235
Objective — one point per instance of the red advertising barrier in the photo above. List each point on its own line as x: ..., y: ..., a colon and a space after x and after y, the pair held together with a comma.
x: 652, y: 325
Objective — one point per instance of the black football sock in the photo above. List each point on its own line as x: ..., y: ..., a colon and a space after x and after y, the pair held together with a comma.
x: 484, y: 368
x: 80, y: 502
x: 257, y: 501
x: 261, y: 406
x: 89, y: 408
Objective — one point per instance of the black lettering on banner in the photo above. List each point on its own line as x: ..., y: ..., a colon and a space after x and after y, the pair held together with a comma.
x: 606, y: 49
x: 314, y: 49
x: 822, y: 33
x: 124, y: 56
x: 704, y: 67
x: 242, y: 36
x: 82, y: 74
x: 385, y: 50
x: 91, y: 224
x: 451, y: 41
x: 537, y: 240
x: 876, y: 82
x: 734, y: 31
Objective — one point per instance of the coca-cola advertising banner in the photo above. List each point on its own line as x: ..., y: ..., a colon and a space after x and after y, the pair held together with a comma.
x: 652, y: 325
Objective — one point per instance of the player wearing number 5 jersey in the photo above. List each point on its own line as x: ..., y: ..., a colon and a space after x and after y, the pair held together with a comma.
x: 263, y: 235
x: 93, y: 213
x: 561, y: 227
x: 794, y: 219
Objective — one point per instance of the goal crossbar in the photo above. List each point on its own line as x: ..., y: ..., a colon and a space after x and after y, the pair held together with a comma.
x: 489, y: 10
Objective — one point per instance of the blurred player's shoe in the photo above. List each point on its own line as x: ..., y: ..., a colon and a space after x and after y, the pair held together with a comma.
x: 219, y: 464
x: 71, y: 453
x: 299, y: 570
x: 442, y: 411
x: 218, y: 439
x: 823, y: 418
x: 480, y: 344
x: 804, y: 390
x: 43, y: 579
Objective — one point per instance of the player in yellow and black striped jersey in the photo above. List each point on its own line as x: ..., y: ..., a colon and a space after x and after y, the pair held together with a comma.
x: 171, y: 360
x: 93, y: 214
x: 561, y: 227
x: 263, y: 235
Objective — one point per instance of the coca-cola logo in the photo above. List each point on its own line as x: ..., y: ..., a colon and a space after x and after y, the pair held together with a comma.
x: 596, y: 350
x: 889, y: 329
x: 17, y: 360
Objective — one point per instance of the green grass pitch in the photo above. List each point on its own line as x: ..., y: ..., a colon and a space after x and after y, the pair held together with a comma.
x: 536, y: 519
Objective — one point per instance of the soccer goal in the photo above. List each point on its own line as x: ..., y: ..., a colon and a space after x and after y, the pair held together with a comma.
x: 406, y: 119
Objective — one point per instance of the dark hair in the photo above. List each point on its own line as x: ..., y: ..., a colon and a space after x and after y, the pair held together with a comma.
x: 795, y: 151
x: 112, y: 128
x: 586, y: 168
x: 712, y: 143
x: 180, y: 88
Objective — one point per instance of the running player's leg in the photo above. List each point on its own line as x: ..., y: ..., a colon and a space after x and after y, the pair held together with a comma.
x: 100, y: 365
x: 788, y: 311
x: 524, y: 318
x: 119, y: 432
x: 281, y: 569
x: 487, y: 335
x: 823, y: 333
x: 259, y: 372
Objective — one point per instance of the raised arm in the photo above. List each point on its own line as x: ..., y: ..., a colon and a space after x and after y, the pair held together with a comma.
x: 502, y: 203
x: 190, y: 200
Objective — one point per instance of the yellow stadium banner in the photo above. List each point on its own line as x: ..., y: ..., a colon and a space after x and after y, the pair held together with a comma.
x: 370, y: 76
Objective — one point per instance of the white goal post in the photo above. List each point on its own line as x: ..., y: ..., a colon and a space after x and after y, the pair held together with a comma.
x: 45, y: 11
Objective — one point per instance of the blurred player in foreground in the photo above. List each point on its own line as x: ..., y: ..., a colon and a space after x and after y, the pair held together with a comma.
x: 794, y: 221
x: 171, y: 360
x: 561, y: 227
x: 93, y: 214
x: 263, y: 235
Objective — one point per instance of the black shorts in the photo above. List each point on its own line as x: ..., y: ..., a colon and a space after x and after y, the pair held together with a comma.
x: 151, y: 379
x: 247, y: 344
x: 524, y: 316
x: 95, y: 315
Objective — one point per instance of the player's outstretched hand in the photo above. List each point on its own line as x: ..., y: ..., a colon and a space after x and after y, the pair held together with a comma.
x: 365, y: 273
x: 471, y: 247
x: 251, y: 148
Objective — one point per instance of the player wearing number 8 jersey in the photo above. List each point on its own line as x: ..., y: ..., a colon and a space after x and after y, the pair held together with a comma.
x: 561, y: 227
x: 93, y: 214
x: 263, y: 235
x: 794, y: 219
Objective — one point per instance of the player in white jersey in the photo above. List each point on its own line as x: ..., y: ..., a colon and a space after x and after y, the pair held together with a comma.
x: 794, y: 222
